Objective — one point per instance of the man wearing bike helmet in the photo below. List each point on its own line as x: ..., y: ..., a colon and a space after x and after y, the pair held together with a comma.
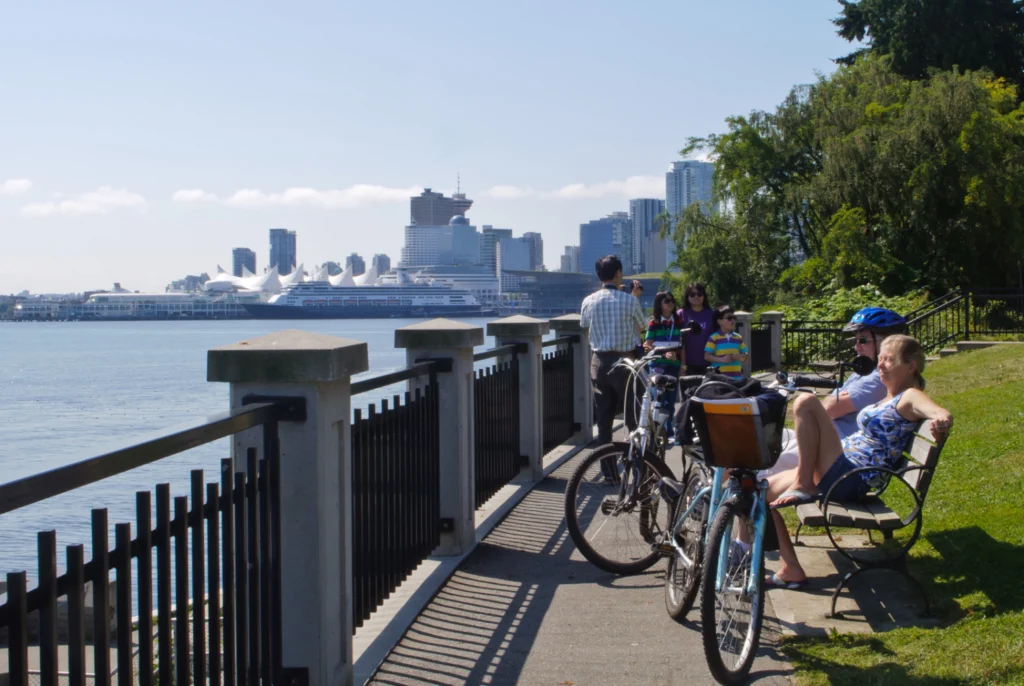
x: 869, y: 327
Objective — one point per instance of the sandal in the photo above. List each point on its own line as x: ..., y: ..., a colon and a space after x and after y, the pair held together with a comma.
x: 776, y: 581
x: 798, y: 498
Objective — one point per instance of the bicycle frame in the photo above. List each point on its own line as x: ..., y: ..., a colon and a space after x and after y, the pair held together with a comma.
x: 759, y: 516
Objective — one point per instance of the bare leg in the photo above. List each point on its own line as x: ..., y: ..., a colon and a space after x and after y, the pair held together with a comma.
x: 791, y: 569
x: 817, y: 441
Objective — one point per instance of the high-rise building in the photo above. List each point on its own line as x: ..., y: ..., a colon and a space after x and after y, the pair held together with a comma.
x: 536, y: 250
x: 513, y: 254
x: 649, y: 250
x: 282, y: 251
x: 687, y: 182
x: 571, y: 259
x: 333, y: 268
x: 381, y: 262
x: 357, y: 263
x: 489, y: 238
x: 458, y: 243
x: 242, y: 257
x: 612, y: 235
x: 434, y: 209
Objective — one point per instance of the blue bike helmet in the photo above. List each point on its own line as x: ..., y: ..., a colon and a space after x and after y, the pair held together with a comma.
x: 876, y: 319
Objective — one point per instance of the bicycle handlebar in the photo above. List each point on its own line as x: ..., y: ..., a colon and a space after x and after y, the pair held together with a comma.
x: 813, y: 382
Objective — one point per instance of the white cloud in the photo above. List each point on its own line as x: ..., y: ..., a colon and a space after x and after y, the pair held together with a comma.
x: 506, y: 192
x: 193, y: 195
x: 15, y: 186
x: 99, y: 201
x: 633, y: 187
x: 330, y: 199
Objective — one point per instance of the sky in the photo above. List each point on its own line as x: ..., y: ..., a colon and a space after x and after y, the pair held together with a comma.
x: 140, y: 142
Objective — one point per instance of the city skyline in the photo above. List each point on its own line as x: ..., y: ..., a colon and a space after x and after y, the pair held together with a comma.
x: 138, y: 150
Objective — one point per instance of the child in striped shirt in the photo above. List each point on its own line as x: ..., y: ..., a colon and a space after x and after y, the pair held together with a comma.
x: 725, y: 350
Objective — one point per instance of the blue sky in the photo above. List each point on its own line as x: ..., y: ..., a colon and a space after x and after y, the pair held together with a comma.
x: 140, y: 142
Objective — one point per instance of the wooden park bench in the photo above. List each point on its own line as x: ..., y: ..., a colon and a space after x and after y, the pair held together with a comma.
x: 872, y: 514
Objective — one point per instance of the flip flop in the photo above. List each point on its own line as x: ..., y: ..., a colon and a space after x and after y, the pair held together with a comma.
x: 776, y: 581
x: 799, y: 498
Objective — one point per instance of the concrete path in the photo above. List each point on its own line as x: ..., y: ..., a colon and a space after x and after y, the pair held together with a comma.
x: 527, y: 608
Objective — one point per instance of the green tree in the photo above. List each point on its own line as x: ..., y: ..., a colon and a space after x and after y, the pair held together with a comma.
x: 920, y: 35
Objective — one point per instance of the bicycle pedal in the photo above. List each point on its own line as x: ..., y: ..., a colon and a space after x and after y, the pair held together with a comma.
x: 663, y: 548
x: 609, y: 504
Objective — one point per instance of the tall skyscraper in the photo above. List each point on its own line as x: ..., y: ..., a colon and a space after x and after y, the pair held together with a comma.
x: 333, y: 268
x: 514, y: 254
x: 458, y: 243
x: 381, y: 262
x: 612, y: 235
x: 687, y: 182
x: 242, y: 257
x: 536, y: 250
x: 489, y: 238
x: 434, y: 209
x: 649, y: 251
x: 571, y: 259
x: 357, y: 263
x: 282, y: 251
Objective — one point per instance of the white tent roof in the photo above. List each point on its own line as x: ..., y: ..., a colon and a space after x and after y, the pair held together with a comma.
x: 368, y: 279
x: 343, y: 279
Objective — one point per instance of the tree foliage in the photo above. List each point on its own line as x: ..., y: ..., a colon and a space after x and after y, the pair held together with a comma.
x: 921, y: 35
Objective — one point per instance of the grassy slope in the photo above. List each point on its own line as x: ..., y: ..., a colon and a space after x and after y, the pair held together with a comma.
x: 971, y: 555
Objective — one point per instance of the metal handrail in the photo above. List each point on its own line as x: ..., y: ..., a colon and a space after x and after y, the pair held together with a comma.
x: 413, y: 372
x: 561, y: 340
x: 510, y: 349
x: 38, y: 487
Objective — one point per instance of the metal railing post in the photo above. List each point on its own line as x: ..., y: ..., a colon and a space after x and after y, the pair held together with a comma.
x: 315, y: 523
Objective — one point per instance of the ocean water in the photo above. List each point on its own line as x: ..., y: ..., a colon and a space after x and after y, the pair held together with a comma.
x: 74, y: 390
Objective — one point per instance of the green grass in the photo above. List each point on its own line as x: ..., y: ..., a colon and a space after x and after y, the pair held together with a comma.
x: 971, y: 554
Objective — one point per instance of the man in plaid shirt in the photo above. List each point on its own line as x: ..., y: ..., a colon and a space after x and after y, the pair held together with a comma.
x: 615, y: 320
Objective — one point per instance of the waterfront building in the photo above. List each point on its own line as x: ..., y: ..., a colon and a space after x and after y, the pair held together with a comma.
x: 189, y: 284
x: 514, y: 254
x: 536, y: 243
x: 456, y: 243
x: 333, y: 268
x: 649, y: 251
x: 431, y: 208
x: 612, y: 235
x: 688, y: 181
x: 489, y: 238
x: 570, y: 261
x: 357, y: 263
x: 242, y: 259
x: 381, y: 262
x: 282, y: 251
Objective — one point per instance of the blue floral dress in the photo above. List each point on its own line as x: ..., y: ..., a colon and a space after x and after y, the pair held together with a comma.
x: 882, y: 437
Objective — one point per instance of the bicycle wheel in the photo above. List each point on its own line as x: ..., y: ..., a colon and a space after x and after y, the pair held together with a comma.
x: 614, y: 533
x: 682, y: 578
x: 731, y: 617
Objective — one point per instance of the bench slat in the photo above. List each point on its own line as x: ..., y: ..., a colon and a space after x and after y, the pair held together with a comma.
x: 885, y: 518
x: 810, y: 514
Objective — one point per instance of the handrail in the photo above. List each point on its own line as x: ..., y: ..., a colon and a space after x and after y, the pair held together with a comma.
x: 33, y: 489
x: 938, y: 308
x: 561, y: 340
x: 510, y: 349
x: 413, y: 372
x: 932, y: 304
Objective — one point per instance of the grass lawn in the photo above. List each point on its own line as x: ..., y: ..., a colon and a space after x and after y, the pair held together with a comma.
x: 971, y: 554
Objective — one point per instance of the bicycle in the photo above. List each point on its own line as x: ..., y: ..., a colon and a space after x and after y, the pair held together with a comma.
x: 613, y: 501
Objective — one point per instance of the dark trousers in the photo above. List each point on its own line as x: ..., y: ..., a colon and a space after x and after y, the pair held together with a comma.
x: 610, y: 393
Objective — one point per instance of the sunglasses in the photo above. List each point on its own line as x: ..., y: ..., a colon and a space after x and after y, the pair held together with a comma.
x: 729, y: 317
x: 860, y: 341
x: 694, y: 295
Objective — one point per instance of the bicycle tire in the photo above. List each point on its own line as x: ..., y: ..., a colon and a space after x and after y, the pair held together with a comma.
x: 720, y: 526
x: 643, y: 557
x: 680, y: 594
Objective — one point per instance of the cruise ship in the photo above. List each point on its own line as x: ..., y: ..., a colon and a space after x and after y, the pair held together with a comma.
x: 321, y: 300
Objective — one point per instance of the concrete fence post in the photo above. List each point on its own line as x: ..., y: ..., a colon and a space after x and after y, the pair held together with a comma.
x: 453, y: 341
x: 774, y: 320
x: 583, y: 393
x: 316, y: 486
x: 743, y: 321
x: 529, y: 331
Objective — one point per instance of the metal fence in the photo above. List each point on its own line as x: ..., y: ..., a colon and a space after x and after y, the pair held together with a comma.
x: 224, y: 622
x: 396, y: 481
x: 559, y: 423
x: 996, y: 312
x: 940, y: 321
x: 496, y: 421
x: 804, y: 342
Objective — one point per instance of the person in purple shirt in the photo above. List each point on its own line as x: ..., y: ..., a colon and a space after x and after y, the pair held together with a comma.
x: 695, y: 309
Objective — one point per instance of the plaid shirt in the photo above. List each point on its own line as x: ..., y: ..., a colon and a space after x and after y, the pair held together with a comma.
x: 614, y: 319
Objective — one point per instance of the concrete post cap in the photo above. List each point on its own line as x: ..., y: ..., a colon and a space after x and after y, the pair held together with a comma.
x: 439, y: 333
x: 569, y: 323
x: 286, y: 357
x: 518, y: 325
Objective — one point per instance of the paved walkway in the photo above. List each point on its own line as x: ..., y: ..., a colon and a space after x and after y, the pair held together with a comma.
x: 526, y: 608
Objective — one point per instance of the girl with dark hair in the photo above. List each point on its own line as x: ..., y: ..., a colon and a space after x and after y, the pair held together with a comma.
x: 665, y: 326
x: 695, y: 309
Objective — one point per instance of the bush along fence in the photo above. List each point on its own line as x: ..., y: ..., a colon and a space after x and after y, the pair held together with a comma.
x: 263, y: 574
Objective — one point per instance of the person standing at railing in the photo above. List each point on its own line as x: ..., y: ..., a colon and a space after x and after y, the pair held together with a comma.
x: 614, y: 320
x: 695, y: 309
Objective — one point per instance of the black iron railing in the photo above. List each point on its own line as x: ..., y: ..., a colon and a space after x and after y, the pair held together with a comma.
x: 940, y: 321
x: 996, y: 312
x: 496, y: 420
x: 396, y: 482
x: 804, y: 342
x: 761, y: 346
x: 559, y: 421
x: 217, y: 612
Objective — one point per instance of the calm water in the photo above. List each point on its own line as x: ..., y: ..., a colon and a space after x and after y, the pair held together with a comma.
x: 74, y: 390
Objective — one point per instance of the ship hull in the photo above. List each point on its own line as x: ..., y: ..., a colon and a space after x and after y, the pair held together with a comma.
x: 266, y: 311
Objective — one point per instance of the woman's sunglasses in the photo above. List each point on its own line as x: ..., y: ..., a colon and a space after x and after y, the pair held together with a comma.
x: 694, y: 295
x: 730, y: 317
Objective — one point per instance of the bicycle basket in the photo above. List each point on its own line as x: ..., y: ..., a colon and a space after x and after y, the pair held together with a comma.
x: 738, y: 433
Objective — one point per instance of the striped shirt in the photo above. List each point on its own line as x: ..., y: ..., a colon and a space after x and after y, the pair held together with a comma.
x: 670, y: 330
x: 614, y: 318
x: 721, y: 344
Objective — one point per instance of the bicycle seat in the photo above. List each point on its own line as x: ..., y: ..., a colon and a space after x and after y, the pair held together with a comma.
x: 664, y: 381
